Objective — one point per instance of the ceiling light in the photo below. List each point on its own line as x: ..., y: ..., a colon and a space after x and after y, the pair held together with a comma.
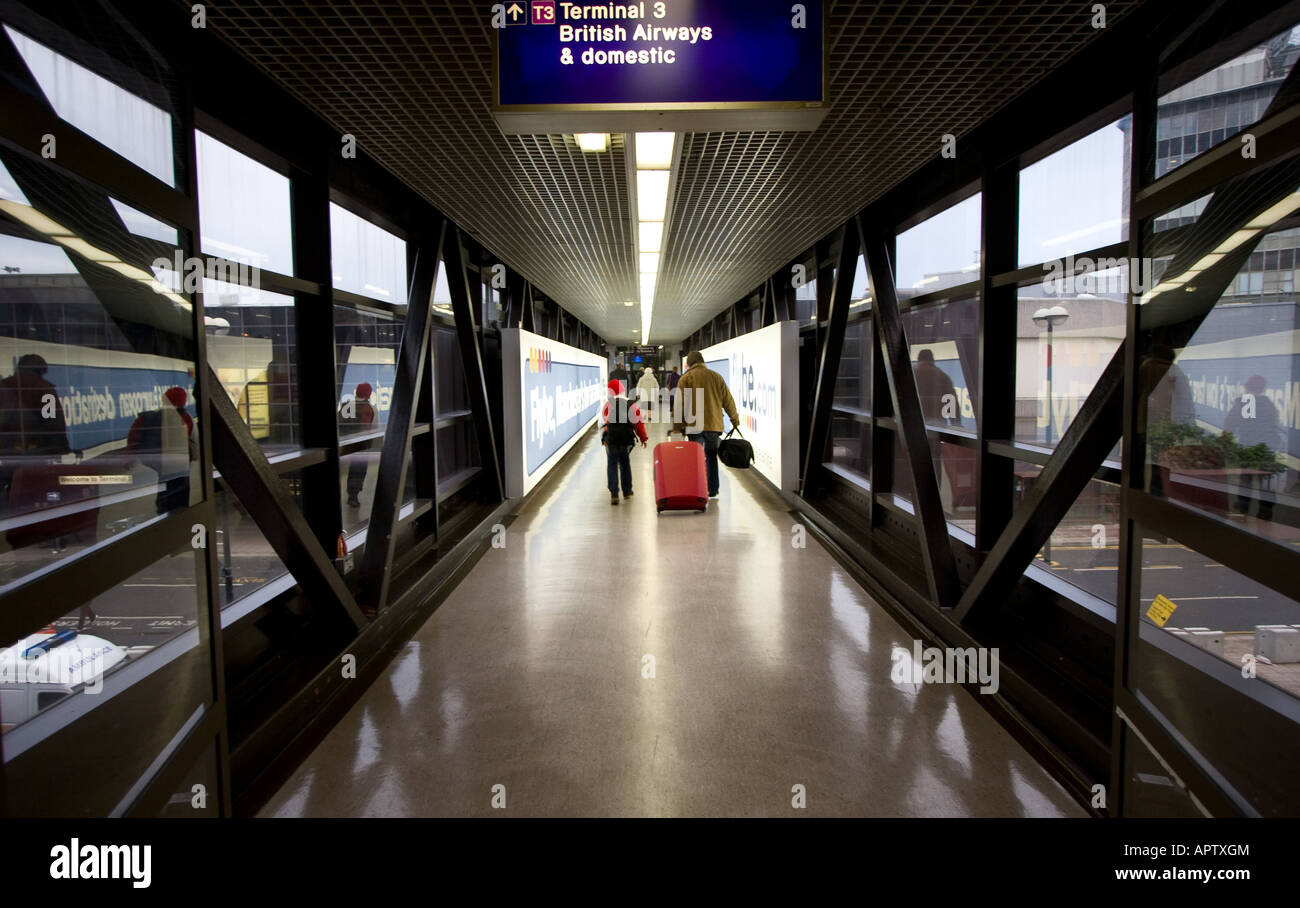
x: 84, y: 249
x: 32, y: 218
x: 592, y: 141
x: 649, y: 262
x: 652, y: 194
x: 650, y: 236
x: 629, y: 304
x: 654, y: 150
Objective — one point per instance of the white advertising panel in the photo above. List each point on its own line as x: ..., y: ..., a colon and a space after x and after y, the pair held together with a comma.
x: 762, y: 371
x: 552, y: 394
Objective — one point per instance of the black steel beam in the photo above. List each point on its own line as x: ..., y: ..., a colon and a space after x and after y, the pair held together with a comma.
x: 317, y: 378
x: 462, y: 296
x: 995, y: 397
x: 936, y: 550
x: 408, y: 381
x: 829, y: 361
x: 243, y: 466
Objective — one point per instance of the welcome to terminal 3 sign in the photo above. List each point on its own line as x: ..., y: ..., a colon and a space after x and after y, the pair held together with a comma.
x: 691, y: 65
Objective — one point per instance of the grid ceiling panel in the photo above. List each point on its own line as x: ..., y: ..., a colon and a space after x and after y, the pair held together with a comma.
x: 413, y: 82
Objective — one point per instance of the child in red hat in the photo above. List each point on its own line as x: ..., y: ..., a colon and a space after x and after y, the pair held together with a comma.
x: 621, y: 425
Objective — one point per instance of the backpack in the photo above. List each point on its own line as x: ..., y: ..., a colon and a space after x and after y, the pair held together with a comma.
x: 619, y: 431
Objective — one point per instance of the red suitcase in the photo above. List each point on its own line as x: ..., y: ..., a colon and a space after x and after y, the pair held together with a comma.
x: 679, y: 476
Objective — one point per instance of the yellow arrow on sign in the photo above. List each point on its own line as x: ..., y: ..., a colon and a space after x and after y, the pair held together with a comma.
x: 515, y: 12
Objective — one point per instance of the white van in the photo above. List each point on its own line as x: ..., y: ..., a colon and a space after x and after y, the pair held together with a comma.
x: 42, y: 669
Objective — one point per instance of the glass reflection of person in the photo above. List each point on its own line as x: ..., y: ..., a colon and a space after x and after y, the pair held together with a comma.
x: 32, y: 425
x: 938, y: 403
x: 1253, y: 420
x: 162, y: 440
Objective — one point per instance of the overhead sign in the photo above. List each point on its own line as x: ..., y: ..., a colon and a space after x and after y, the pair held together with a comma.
x: 691, y: 65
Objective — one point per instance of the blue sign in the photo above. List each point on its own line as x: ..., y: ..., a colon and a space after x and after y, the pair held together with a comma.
x: 561, y: 399
x: 101, y: 402
x: 708, y: 53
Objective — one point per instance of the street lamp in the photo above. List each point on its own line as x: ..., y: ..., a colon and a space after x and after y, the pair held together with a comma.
x: 1049, y: 319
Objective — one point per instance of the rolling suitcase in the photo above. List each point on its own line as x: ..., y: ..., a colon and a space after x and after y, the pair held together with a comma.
x: 679, y: 477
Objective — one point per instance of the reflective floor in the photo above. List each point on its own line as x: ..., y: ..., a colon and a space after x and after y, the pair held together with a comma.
x: 611, y: 662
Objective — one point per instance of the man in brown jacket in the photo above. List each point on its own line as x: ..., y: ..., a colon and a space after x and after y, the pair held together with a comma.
x: 702, y: 396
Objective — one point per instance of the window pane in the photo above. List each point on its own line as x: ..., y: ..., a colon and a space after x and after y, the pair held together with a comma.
x: 940, y: 252
x: 1074, y: 200
x: 251, y: 337
x: 1192, y: 670
x: 366, y: 348
x: 366, y: 258
x: 955, y: 471
x: 126, y: 675
x: 129, y: 125
x: 247, y: 561
x: 945, y: 360
x: 1221, y: 103
x: 1066, y: 333
x: 851, y: 444
x: 1084, y: 547
x: 1223, y: 419
x: 243, y: 208
x: 853, y: 380
x: 97, y: 417
x: 861, y: 294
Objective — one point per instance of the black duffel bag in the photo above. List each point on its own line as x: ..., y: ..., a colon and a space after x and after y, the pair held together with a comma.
x: 735, y: 452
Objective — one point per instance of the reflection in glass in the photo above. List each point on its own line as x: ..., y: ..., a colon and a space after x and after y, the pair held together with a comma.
x: 97, y: 410
x: 74, y: 655
x: 1083, y: 548
x: 251, y: 338
x: 1222, y: 409
x: 954, y: 467
x: 945, y: 360
x: 1066, y: 333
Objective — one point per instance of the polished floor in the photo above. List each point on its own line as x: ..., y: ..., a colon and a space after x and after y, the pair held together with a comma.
x: 611, y: 662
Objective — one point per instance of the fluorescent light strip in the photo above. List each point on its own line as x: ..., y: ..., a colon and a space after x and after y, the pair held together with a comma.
x: 654, y: 158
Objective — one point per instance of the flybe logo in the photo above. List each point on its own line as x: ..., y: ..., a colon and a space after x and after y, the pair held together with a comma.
x: 755, y: 397
x: 539, y: 360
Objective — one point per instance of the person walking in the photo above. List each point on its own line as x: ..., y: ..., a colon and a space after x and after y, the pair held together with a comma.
x: 647, y: 393
x: 621, y: 425
x: 671, y: 382
x: 702, y: 396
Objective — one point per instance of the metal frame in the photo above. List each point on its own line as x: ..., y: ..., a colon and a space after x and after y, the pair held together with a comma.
x: 211, y: 87
x: 991, y: 572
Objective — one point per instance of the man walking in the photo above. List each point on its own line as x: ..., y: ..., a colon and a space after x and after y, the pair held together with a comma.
x: 702, y: 396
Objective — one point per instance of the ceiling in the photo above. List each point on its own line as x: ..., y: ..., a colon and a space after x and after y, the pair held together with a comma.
x: 413, y: 82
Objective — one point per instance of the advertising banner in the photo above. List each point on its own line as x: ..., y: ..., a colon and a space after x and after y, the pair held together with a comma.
x: 762, y: 371
x: 553, y: 393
